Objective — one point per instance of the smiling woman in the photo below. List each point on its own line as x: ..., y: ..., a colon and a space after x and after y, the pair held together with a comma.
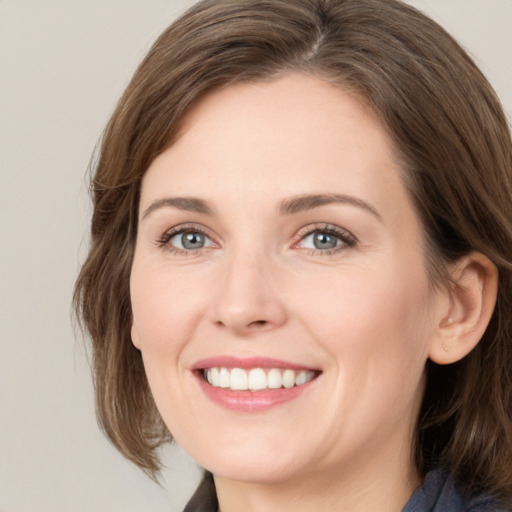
x: 301, y: 261
x: 284, y: 295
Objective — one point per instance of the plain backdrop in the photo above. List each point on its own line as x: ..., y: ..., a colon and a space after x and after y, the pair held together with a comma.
x: 63, y: 64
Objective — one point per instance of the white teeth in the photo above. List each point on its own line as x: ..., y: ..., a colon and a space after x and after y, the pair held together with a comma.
x: 256, y: 379
x: 224, y: 378
x: 238, y: 380
x: 303, y: 377
x: 288, y: 379
x: 274, y: 379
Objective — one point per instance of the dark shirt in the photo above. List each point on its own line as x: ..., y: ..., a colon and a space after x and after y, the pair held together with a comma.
x: 440, y: 494
x: 205, y: 497
x: 437, y: 494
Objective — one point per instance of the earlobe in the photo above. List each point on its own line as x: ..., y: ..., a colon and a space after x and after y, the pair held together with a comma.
x: 472, y: 294
x: 135, y: 335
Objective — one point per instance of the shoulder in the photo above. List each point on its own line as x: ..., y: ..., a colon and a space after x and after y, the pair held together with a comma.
x: 439, y: 493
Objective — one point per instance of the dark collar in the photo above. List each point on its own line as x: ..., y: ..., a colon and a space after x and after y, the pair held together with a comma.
x: 205, y: 497
x: 437, y: 494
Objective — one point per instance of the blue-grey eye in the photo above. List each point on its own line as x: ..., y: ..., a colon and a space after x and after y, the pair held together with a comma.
x: 321, y: 241
x: 189, y: 240
x: 325, y: 241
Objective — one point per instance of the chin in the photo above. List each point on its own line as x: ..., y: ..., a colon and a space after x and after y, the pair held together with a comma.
x: 261, y: 472
x: 252, y: 463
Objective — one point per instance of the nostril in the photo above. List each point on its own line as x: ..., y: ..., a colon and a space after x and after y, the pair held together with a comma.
x: 259, y: 323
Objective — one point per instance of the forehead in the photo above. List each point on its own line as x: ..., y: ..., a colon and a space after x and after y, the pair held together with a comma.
x: 291, y: 136
x: 311, y: 116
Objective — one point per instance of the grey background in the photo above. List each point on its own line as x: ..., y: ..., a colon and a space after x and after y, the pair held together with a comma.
x: 63, y: 64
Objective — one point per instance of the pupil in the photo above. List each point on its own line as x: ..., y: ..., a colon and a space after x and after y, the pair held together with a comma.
x: 192, y: 240
x: 324, y: 241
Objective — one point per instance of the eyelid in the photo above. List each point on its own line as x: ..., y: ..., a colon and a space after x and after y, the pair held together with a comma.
x: 348, y: 239
x: 165, y: 238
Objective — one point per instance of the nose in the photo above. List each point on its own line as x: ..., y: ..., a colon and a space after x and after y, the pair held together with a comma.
x: 249, y: 299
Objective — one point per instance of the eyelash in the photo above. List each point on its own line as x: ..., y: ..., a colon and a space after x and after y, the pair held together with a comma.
x: 163, y: 241
x: 347, y: 239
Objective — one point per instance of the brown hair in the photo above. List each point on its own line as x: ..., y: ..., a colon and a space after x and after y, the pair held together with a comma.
x: 455, y: 144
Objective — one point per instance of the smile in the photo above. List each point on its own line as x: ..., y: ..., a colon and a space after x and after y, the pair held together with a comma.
x: 253, y: 384
x: 256, y: 379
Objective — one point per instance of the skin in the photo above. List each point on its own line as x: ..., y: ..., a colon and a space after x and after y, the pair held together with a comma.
x: 365, y: 315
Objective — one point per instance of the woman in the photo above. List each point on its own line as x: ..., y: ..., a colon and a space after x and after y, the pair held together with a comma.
x: 301, y: 261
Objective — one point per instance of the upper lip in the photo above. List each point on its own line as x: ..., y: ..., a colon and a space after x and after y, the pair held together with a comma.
x: 247, y: 363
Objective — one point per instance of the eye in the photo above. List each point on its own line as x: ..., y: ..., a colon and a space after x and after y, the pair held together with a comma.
x: 189, y: 240
x: 320, y: 240
x: 185, y: 240
x: 326, y: 239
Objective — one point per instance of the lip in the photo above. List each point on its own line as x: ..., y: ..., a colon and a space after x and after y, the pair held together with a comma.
x: 250, y: 401
x: 246, y: 363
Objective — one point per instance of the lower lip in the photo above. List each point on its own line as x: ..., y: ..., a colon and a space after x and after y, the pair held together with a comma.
x: 251, y: 401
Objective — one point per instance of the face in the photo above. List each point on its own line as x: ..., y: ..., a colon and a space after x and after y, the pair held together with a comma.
x: 279, y: 292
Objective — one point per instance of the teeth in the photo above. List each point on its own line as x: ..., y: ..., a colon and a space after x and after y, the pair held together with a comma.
x: 288, y: 379
x: 224, y: 378
x: 238, y: 380
x: 274, y: 379
x: 256, y: 379
x: 302, y: 378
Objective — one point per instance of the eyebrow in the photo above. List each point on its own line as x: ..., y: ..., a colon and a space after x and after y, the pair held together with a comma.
x: 189, y: 204
x: 308, y: 202
x: 290, y: 206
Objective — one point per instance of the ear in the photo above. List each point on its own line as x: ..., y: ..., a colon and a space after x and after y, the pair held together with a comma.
x: 135, y: 335
x: 471, y: 299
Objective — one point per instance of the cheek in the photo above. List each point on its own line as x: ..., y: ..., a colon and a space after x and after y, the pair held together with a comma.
x: 375, y: 328
x: 165, y: 310
x: 372, y: 321
x: 165, y: 314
